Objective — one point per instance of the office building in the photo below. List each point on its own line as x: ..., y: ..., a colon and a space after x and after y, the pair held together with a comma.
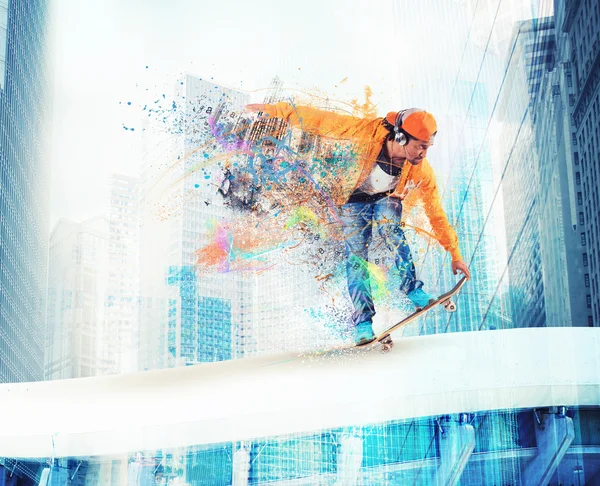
x: 578, y: 24
x: 78, y: 274
x: 25, y: 103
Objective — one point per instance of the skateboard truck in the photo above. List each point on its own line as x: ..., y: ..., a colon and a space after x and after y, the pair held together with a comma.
x: 449, y: 305
x: 386, y: 343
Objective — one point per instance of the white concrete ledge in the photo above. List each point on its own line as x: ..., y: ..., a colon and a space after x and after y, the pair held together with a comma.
x: 291, y: 393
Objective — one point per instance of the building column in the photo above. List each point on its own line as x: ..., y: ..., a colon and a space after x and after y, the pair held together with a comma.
x: 44, y: 477
x: 554, y: 433
x: 241, y: 466
x: 349, y: 459
x: 7, y: 478
x: 457, y: 441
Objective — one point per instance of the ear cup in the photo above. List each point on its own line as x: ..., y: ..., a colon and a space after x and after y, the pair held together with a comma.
x: 400, y: 138
x: 399, y: 135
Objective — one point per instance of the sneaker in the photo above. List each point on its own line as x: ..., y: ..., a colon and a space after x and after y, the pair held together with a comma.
x: 364, y: 333
x: 419, y: 298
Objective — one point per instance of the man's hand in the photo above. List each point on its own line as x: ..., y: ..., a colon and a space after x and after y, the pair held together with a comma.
x: 461, y: 266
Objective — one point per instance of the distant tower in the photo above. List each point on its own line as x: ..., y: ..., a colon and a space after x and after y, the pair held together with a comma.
x: 121, y: 313
x: 188, y: 319
x: 78, y: 272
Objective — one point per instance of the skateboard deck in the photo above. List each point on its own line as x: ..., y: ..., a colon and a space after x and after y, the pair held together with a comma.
x: 384, y: 338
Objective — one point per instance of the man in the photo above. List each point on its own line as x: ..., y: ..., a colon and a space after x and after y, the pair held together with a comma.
x: 390, y: 171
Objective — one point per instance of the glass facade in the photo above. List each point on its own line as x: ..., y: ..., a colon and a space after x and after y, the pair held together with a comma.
x: 24, y: 170
x: 25, y: 102
x: 521, y: 194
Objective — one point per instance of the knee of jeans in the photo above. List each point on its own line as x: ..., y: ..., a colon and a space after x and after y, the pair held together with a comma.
x: 392, y: 234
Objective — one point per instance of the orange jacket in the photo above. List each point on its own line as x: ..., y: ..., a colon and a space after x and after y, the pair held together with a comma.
x: 417, y: 182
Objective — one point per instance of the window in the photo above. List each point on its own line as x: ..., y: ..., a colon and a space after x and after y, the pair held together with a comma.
x: 585, y: 260
x: 579, y: 198
x: 583, y: 241
x: 586, y: 278
x: 576, y: 158
x: 590, y: 321
x: 588, y: 301
x: 578, y: 178
x: 581, y: 220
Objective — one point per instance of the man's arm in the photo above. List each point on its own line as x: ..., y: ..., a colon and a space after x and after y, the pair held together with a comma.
x: 319, y: 122
x: 439, y: 222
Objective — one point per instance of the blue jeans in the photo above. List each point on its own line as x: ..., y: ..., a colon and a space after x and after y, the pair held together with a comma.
x: 358, y: 220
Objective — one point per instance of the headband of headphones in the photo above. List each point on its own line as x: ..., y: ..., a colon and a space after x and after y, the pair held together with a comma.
x: 415, y: 122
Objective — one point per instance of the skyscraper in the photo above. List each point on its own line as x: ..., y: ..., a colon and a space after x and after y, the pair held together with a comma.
x: 25, y: 102
x: 580, y: 50
x: 561, y: 243
x: 546, y: 258
x: 195, y: 319
x: 25, y: 89
x: 530, y: 56
x: 121, y: 313
x: 78, y: 273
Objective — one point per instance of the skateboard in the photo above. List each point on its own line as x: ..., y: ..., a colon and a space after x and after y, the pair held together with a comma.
x: 385, y: 339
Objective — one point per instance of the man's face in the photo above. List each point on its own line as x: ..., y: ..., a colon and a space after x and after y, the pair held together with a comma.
x: 414, y: 151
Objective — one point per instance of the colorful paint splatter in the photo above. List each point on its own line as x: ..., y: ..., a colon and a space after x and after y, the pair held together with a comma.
x: 279, y: 184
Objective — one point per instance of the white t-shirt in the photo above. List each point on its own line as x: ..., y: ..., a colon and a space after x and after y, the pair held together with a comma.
x: 378, y: 182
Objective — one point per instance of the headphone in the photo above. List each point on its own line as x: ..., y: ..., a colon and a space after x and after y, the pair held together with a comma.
x: 399, y: 134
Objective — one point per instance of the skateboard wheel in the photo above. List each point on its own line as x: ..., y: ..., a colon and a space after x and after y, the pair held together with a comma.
x: 450, y: 306
x: 387, y: 344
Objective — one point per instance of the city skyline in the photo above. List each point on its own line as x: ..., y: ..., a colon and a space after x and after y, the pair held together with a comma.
x: 187, y: 261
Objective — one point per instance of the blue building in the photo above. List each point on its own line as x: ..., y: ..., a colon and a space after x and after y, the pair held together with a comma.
x: 204, y: 322
x: 24, y: 168
x: 542, y: 184
x: 25, y: 87
x: 530, y: 56
x: 189, y: 317
x: 24, y: 113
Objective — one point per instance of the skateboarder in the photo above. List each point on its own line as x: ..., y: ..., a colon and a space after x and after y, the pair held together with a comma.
x: 390, y: 172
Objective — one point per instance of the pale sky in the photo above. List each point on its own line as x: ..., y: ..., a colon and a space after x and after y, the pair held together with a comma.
x: 102, y: 48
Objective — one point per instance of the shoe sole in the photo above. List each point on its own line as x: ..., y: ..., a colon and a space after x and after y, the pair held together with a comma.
x: 362, y: 342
